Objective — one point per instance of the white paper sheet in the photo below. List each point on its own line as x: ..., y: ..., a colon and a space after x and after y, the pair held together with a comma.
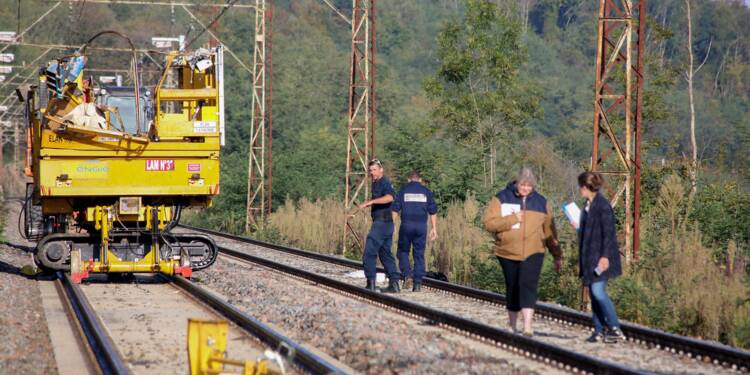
x: 573, y: 213
x: 507, y: 209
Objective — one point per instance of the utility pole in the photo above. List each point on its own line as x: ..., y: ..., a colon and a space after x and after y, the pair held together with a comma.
x: 617, y: 117
x: 360, y: 144
x: 259, y: 163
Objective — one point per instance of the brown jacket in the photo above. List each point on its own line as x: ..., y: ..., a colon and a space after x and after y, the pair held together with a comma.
x: 518, y: 241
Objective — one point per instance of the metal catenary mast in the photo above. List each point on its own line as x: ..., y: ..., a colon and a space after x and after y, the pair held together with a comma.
x: 259, y: 152
x: 360, y: 144
x: 618, y: 118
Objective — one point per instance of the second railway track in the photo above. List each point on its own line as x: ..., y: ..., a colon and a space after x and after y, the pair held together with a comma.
x: 647, y: 350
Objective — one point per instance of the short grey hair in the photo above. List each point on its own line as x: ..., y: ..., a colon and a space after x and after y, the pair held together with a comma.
x: 526, y: 175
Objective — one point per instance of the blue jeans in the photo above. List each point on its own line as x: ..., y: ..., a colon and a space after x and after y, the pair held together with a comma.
x: 412, y: 236
x: 602, y: 307
x: 378, y: 245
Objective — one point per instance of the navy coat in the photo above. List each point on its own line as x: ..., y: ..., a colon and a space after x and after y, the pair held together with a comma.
x: 597, y: 237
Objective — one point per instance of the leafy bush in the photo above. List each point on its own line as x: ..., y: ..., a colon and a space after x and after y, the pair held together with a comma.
x: 679, y: 284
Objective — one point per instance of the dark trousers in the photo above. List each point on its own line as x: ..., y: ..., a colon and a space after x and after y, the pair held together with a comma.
x: 411, y: 236
x: 378, y: 245
x: 521, y: 281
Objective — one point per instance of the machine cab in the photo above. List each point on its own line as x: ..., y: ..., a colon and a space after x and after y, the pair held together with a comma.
x: 122, y: 100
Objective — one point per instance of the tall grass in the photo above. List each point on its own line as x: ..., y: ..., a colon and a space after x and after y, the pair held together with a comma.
x: 678, y: 285
x: 459, y: 241
x: 319, y: 226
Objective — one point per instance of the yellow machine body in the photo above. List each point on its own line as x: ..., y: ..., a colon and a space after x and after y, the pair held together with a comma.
x: 121, y: 163
x: 78, y: 161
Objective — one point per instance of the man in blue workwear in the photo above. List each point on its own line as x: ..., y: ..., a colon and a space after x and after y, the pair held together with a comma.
x: 379, y: 239
x: 415, y: 203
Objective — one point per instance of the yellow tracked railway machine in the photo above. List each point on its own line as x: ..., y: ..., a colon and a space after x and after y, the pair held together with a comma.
x: 114, y: 166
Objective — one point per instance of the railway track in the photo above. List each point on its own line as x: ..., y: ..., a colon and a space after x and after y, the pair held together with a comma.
x: 101, y: 350
x: 701, y: 356
x: 146, y: 317
x: 108, y: 360
x: 131, y: 325
x: 554, y: 355
x: 300, y: 356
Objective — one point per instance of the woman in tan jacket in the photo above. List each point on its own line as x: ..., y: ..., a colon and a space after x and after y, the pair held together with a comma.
x: 521, y: 221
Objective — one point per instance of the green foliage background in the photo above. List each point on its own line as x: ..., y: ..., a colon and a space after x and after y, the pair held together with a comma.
x: 552, y: 63
x: 311, y: 48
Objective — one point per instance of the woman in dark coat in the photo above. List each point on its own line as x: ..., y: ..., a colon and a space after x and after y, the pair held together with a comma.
x: 599, y: 256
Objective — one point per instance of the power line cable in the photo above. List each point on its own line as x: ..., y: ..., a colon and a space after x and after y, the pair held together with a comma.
x: 19, y: 35
x: 219, y: 40
x: 71, y: 46
x: 80, y: 12
x: 157, y: 3
x: 333, y: 7
x: 18, y: 73
x: 12, y: 93
x: 226, y: 7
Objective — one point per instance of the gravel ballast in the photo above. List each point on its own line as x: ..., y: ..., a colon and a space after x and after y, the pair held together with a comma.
x: 366, y: 337
x: 25, y: 348
x: 571, y: 337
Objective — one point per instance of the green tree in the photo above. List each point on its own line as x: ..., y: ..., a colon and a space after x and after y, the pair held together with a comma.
x: 479, y: 96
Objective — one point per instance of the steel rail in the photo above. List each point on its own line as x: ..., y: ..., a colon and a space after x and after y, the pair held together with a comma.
x: 719, y: 354
x: 90, y: 362
x: 535, y: 349
x: 109, y: 359
x: 294, y: 352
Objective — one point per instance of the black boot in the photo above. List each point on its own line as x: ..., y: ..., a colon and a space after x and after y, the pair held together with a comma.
x: 392, y: 287
x: 417, y: 287
x: 370, y: 285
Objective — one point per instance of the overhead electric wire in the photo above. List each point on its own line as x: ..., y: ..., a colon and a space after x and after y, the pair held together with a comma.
x: 71, y: 46
x: 50, y: 47
x: 159, y: 3
x: 228, y: 5
x: 344, y: 17
x: 80, y: 12
x: 153, y: 60
x: 18, y: 36
x: 18, y: 73
x: 106, y: 70
x: 17, y: 42
x: 12, y: 93
x: 219, y: 40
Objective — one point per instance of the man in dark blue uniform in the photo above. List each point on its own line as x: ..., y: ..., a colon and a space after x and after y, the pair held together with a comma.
x: 379, y: 239
x: 415, y: 203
